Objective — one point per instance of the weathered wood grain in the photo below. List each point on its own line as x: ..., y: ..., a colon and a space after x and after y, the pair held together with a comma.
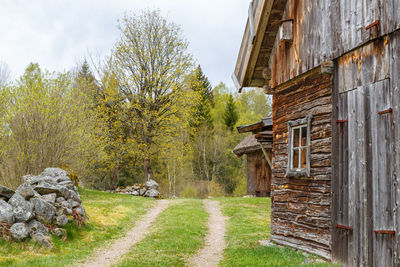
x: 301, y: 210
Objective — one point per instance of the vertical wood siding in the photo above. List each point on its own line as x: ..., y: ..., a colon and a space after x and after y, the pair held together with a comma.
x: 258, y: 175
x: 327, y: 29
x: 301, y: 214
x: 366, y: 157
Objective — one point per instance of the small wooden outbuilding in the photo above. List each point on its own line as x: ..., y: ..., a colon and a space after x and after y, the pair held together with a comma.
x: 258, y: 148
x: 333, y: 68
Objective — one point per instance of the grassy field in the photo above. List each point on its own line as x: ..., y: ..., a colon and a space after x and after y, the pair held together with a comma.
x: 177, y: 234
x: 249, y: 223
x: 110, y: 216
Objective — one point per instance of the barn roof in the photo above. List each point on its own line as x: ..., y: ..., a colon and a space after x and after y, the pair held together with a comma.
x: 248, y: 145
x: 265, y: 17
x: 251, y: 144
x: 264, y: 124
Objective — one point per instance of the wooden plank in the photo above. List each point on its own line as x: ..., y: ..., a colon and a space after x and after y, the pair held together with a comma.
x: 368, y: 194
x: 395, y: 100
x: 353, y: 202
x: 382, y: 173
x: 336, y: 140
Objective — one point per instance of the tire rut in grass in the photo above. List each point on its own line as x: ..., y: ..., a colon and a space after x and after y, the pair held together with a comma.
x: 211, y: 254
x: 111, y: 254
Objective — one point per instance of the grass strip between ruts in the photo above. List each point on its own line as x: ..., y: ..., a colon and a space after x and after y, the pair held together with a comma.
x: 176, y: 235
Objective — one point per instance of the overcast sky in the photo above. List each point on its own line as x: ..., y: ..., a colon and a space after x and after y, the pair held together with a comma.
x: 59, y: 33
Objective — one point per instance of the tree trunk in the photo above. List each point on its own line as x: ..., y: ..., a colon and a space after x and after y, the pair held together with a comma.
x: 148, y: 173
x: 114, y: 178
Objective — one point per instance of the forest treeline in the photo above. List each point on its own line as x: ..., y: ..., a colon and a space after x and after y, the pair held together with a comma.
x: 145, y: 111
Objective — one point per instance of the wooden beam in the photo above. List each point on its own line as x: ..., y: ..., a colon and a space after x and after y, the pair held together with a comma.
x: 267, y: 156
x: 285, y: 33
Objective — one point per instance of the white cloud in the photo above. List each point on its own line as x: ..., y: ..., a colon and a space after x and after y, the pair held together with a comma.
x: 58, y: 33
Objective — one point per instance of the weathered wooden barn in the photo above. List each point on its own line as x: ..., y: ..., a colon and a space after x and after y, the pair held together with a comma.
x: 333, y: 68
x: 258, y: 149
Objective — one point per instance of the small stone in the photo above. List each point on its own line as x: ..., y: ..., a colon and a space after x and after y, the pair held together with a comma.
x: 74, y: 196
x: 27, y: 178
x: 65, y: 192
x: 67, y: 204
x: 62, y: 220
x: 60, y: 200
x: 136, y: 187
x: 135, y: 193
x: 68, y: 211
x: 45, y: 212
x: 81, y: 211
x: 60, y: 233
x: 60, y: 211
x: 265, y: 243
x: 26, y: 190
x: 35, y: 226
x: 23, y: 210
x: 42, y: 240
x: 6, y: 192
x: 51, y: 198
x: 75, y: 204
x: 19, y: 231
x: 6, y: 213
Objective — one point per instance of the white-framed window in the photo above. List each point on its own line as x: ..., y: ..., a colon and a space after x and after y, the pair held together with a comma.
x: 299, y: 147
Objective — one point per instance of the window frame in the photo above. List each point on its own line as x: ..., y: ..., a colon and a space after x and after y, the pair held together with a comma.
x: 299, y: 124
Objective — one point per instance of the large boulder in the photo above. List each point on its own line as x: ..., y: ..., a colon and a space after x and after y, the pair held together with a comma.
x: 45, y: 188
x: 26, y: 190
x: 43, y: 240
x: 6, y: 192
x: 54, y: 172
x: 35, y: 226
x: 153, y: 193
x: 151, y: 184
x: 45, y: 212
x: 62, y: 220
x: 19, y: 231
x: 142, y: 191
x: 23, y: 210
x: 51, y: 198
x: 6, y: 213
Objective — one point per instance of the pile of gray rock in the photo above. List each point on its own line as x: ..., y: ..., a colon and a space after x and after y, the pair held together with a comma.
x: 149, y: 189
x: 40, y: 206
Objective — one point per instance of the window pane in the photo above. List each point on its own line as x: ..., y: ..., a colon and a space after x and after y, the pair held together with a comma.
x: 295, y: 159
x: 303, y: 162
x: 303, y: 136
x: 296, y: 137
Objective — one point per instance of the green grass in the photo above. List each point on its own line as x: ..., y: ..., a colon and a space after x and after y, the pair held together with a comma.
x: 110, y: 217
x: 250, y: 222
x: 178, y: 233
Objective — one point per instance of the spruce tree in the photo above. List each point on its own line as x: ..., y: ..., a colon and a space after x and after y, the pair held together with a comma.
x: 202, y: 114
x: 231, y: 115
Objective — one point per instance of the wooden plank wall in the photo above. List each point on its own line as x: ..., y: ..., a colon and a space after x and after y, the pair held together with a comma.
x: 395, y: 86
x: 326, y: 29
x: 258, y: 175
x: 301, y: 207
x: 366, y: 154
